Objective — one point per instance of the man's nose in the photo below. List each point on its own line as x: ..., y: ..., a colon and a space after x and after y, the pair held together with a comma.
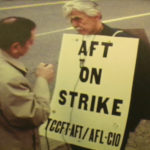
x: 75, y: 23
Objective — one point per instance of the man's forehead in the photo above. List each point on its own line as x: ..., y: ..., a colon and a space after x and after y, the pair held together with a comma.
x: 77, y: 14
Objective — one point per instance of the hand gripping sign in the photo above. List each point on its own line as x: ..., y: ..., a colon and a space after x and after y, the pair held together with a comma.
x: 93, y: 91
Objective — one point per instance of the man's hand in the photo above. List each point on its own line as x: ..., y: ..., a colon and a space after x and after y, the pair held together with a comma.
x: 46, y: 71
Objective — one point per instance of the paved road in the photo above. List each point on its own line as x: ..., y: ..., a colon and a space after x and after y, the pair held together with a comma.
x: 49, y: 18
x: 51, y: 23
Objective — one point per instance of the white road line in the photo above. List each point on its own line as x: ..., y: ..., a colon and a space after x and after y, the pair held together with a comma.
x: 56, y: 31
x: 31, y: 5
x: 105, y: 21
x: 128, y: 17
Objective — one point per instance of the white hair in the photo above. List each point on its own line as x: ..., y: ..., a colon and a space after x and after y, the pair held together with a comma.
x: 89, y: 7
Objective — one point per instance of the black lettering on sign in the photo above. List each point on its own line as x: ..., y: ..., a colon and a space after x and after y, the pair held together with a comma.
x: 73, y: 95
x: 106, y: 46
x: 102, y: 105
x: 92, y: 103
x: 52, y: 127
x: 84, y: 74
x: 92, y: 47
x: 96, y: 136
x: 72, y: 133
x: 113, y: 139
x: 83, y: 49
x: 62, y: 95
x: 94, y: 75
x: 116, y: 107
x: 83, y: 101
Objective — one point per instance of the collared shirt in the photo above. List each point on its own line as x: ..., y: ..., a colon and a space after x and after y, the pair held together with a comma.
x: 14, y: 62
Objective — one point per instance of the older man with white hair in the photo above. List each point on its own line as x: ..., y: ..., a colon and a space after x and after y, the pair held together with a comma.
x: 85, y: 16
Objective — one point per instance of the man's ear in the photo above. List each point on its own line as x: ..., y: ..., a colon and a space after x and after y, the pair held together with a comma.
x: 99, y: 16
x: 15, y: 48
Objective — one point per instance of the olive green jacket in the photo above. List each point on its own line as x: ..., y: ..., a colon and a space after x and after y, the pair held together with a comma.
x: 22, y: 108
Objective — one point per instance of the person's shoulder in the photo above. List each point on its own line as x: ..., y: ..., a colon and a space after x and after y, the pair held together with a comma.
x: 116, y: 32
x: 123, y: 33
x: 8, y: 72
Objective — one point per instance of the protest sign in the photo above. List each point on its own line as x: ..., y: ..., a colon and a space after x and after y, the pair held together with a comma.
x: 93, y: 89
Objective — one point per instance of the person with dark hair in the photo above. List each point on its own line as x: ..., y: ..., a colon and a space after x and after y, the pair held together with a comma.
x: 85, y: 16
x: 15, y: 29
x: 22, y: 108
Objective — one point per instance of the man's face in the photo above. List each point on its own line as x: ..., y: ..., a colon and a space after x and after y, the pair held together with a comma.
x: 83, y: 23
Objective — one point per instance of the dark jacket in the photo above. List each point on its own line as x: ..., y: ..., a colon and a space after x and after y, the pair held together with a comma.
x: 140, y: 100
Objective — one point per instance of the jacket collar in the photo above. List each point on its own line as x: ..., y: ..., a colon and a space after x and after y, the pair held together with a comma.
x: 12, y: 61
x: 107, y: 30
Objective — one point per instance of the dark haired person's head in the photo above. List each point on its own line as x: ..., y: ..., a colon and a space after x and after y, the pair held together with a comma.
x: 16, y: 33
